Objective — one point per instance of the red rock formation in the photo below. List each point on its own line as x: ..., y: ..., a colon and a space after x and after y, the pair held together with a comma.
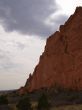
x: 61, y: 62
x: 21, y: 90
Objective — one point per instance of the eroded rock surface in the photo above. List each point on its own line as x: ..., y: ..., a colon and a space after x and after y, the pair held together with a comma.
x: 61, y: 62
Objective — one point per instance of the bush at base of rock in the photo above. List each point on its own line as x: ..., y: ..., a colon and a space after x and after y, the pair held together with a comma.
x: 24, y: 104
x: 43, y: 103
x: 3, y: 100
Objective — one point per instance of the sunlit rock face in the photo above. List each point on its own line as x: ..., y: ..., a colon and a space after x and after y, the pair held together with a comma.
x: 61, y: 62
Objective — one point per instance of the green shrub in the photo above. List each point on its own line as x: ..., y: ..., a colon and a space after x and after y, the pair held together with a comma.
x: 43, y: 103
x: 3, y: 100
x: 24, y: 104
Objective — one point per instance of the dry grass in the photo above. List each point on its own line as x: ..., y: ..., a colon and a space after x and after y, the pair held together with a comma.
x: 64, y: 107
x: 13, y: 106
x: 68, y: 107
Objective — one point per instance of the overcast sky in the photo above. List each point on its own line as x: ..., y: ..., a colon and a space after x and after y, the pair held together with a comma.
x: 24, y: 28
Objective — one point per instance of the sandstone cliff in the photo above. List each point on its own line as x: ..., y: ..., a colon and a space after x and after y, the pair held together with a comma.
x: 61, y: 62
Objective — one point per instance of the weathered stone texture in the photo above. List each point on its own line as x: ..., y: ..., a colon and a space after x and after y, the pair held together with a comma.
x: 61, y: 62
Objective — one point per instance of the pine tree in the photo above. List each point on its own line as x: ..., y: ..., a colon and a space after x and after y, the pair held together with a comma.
x: 43, y: 103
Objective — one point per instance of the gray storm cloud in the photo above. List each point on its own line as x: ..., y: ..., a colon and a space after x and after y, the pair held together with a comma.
x: 27, y: 16
x: 18, y: 53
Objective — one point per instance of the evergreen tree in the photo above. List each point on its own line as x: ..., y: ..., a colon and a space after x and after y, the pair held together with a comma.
x: 3, y: 100
x: 43, y: 103
x: 24, y: 104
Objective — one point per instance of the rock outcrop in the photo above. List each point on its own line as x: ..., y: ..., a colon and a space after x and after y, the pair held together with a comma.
x: 61, y: 62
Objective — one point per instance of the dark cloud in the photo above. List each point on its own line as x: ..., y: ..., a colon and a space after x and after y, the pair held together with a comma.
x: 60, y: 19
x: 27, y: 16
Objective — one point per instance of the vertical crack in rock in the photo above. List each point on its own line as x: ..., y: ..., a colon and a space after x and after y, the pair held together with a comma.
x: 63, y: 39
